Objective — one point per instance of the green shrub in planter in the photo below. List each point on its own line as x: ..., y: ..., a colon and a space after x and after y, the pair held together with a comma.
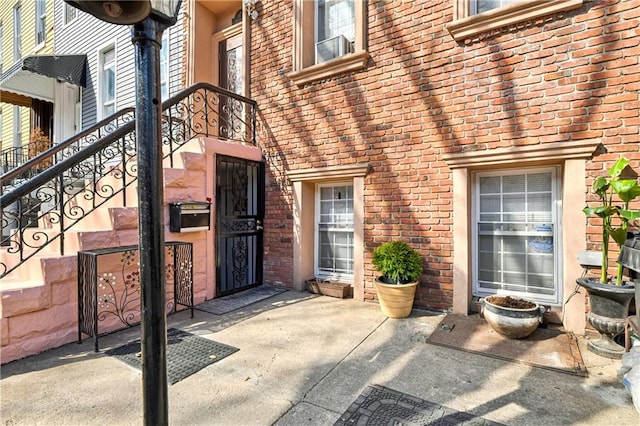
x: 397, y: 262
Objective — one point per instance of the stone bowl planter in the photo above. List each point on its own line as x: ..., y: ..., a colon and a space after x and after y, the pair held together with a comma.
x: 512, y: 317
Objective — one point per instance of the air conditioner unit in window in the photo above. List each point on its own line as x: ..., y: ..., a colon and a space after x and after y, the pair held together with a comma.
x: 332, y: 48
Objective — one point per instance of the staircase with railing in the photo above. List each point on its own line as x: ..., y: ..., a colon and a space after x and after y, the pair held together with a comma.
x: 47, y: 199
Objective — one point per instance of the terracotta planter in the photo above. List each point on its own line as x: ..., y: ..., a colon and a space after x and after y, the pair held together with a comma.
x: 514, y: 323
x: 396, y: 300
x: 608, y: 314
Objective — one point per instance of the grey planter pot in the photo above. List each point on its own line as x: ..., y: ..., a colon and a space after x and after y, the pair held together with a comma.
x: 608, y: 314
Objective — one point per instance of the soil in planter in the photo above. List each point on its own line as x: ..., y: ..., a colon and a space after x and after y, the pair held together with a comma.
x: 510, y: 302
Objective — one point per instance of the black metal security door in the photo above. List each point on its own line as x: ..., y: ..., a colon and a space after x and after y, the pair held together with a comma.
x: 239, y: 210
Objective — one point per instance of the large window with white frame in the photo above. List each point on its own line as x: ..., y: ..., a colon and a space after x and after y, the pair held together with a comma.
x: 41, y: 16
x: 334, y: 231
x: 17, y: 32
x: 107, y: 82
x: 516, y: 235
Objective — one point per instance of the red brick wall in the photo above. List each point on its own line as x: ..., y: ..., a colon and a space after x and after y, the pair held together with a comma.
x: 566, y: 77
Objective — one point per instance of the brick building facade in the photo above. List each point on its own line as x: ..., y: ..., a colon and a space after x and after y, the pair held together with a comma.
x: 428, y: 100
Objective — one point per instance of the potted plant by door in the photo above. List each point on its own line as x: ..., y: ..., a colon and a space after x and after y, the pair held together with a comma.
x: 401, y: 267
x: 609, y: 299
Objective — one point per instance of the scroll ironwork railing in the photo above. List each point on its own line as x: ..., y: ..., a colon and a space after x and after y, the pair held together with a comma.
x: 38, y: 211
x: 19, y: 169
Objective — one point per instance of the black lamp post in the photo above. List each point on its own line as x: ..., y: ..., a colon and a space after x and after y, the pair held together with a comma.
x: 149, y: 19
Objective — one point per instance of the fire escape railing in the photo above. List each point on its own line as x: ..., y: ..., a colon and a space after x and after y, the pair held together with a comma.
x: 83, y: 175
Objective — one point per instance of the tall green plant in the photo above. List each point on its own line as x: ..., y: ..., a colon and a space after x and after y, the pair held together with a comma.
x: 626, y: 191
x: 397, y: 262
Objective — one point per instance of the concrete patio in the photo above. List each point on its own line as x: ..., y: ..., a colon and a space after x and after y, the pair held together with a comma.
x: 304, y: 359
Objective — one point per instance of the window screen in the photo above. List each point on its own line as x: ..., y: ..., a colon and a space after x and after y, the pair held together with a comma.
x: 334, y: 218
x: 515, y: 238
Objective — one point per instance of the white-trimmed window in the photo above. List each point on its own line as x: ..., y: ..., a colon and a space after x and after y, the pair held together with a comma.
x: 471, y: 18
x: 516, y: 234
x: 329, y: 38
x: 17, y: 32
x: 107, y: 82
x: 334, y: 231
x: 479, y: 6
x: 70, y: 13
x: 41, y: 16
x: 164, y: 67
x: 335, y: 28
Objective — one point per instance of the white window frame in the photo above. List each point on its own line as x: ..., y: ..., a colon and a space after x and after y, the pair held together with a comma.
x: 41, y: 20
x: 17, y: 32
x: 164, y: 66
x: 556, y: 211
x: 70, y: 14
x: 336, y: 276
x: 102, y: 89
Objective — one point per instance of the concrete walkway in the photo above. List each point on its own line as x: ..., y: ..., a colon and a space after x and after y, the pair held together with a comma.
x: 302, y: 361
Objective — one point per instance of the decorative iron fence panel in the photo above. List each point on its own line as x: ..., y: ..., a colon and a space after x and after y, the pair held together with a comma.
x: 112, y: 297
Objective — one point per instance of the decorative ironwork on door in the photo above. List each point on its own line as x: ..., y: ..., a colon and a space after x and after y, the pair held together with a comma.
x: 239, y: 210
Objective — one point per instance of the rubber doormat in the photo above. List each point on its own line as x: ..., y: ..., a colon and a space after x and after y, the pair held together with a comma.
x: 186, y: 354
x: 223, y: 305
x: 545, y: 348
x: 378, y: 405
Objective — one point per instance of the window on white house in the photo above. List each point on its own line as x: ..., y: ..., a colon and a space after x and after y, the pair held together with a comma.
x: 108, y: 82
x: 516, y: 234
x: 335, y: 28
x: 70, y: 13
x: 164, y: 67
x: 334, y: 231
x: 479, y: 6
x: 41, y: 15
x: 17, y: 32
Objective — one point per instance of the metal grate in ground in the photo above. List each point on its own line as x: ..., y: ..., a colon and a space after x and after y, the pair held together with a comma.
x: 186, y: 354
x: 378, y: 405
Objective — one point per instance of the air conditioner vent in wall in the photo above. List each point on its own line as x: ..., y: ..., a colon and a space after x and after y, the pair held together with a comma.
x: 332, y: 48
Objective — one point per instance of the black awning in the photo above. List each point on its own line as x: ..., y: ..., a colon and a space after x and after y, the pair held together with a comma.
x: 69, y: 68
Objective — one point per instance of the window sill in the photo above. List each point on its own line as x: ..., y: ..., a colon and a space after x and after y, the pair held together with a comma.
x: 467, y: 28
x: 347, y: 63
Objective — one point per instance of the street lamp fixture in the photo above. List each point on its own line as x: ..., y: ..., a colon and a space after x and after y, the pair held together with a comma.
x: 149, y: 19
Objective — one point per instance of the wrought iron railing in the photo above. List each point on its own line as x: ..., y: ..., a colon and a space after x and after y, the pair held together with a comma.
x: 60, y: 196
x: 13, y: 157
x: 29, y: 167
